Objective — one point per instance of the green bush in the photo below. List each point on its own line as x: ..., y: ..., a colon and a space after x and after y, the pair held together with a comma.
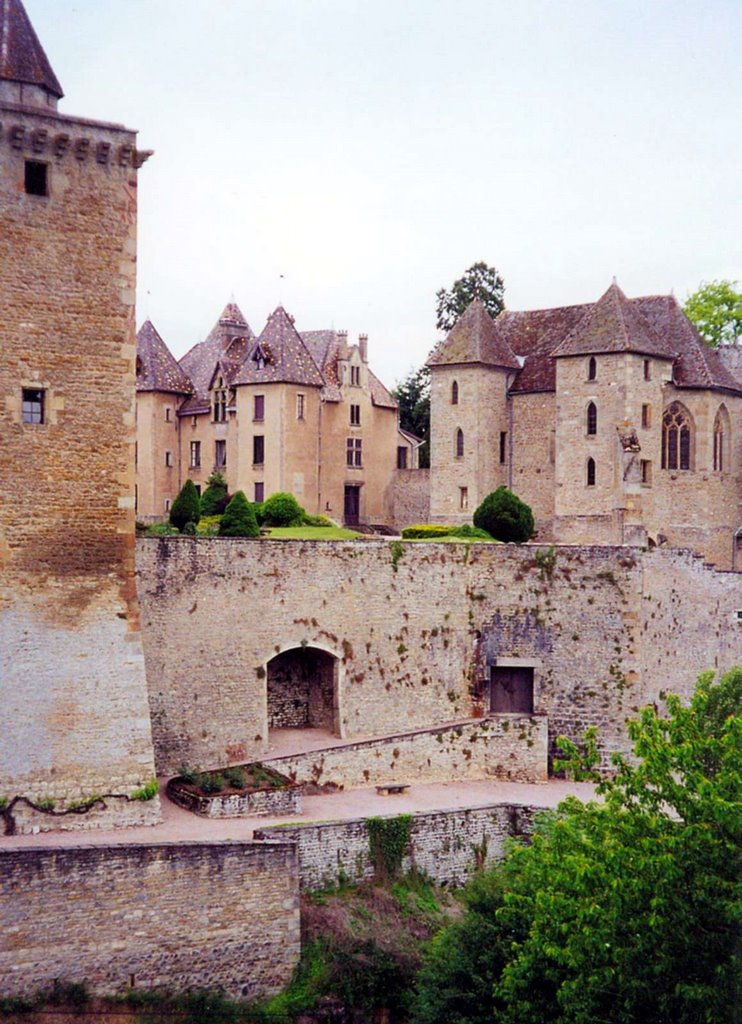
x: 211, y: 782
x: 505, y: 517
x: 146, y: 792
x: 161, y: 530
x: 190, y: 529
x: 429, y: 531
x: 213, y: 497
x: 259, y: 511
x: 186, y: 508
x: 239, y: 519
x: 208, y: 526
x: 282, y: 509
x: 236, y: 777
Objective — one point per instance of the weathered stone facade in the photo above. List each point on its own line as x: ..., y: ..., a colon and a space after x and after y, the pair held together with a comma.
x: 416, y: 635
x: 167, y: 916
x: 446, y: 845
x: 71, y: 666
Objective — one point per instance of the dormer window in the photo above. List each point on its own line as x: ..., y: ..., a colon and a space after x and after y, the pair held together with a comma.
x: 219, y: 406
x: 260, y: 358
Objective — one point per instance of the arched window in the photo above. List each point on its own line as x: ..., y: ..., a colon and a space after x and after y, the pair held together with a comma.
x: 459, y: 443
x: 455, y: 393
x: 677, y: 430
x: 721, y: 440
x: 590, y: 475
x: 592, y: 418
x: 592, y: 368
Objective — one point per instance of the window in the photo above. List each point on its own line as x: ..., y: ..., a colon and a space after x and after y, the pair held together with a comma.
x: 455, y: 393
x: 258, y: 450
x: 676, y: 437
x: 459, y: 449
x: 503, y: 445
x: 647, y: 369
x: 721, y: 440
x: 463, y: 498
x: 646, y: 472
x: 195, y: 459
x: 220, y: 454
x: 259, y: 492
x: 198, y: 489
x: 33, y: 405
x: 168, y: 414
x: 355, y: 376
x: 37, y: 178
x: 646, y: 416
x: 258, y: 408
x: 402, y: 456
x: 592, y: 418
x: 219, y: 406
x: 590, y: 473
x: 355, y: 415
x: 592, y: 368
x: 354, y: 452
x: 300, y: 407
x: 194, y: 421
x: 168, y: 503
x: 169, y: 460
x: 136, y: 453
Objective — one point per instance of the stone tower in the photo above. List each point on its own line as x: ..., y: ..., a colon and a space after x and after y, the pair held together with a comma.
x: 469, y: 416
x: 72, y: 681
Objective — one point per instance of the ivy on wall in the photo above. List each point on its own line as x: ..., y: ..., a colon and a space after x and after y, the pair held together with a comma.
x: 388, y: 841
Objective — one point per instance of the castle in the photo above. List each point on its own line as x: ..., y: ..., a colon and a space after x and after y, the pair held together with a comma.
x: 612, y: 420
x: 120, y: 660
x: 283, y: 411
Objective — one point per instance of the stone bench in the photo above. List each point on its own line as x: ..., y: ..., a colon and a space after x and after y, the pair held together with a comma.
x: 392, y: 787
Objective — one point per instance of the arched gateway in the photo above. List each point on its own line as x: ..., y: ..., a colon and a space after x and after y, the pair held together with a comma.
x: 302, y: 685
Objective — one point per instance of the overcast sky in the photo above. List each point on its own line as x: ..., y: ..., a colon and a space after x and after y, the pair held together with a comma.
x: 371, y: 151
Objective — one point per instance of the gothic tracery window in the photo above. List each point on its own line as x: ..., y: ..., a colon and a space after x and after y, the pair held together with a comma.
x: 676, y: 437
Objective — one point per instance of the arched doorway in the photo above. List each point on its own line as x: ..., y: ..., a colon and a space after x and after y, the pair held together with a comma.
x: 302, y: 686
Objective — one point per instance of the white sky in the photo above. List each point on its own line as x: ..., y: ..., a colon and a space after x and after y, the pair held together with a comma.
x: 371, y: 151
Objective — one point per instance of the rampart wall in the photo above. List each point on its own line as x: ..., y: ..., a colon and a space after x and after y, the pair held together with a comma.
x: 447, y: 845
x: 415, y: 629
x: 169, y: 916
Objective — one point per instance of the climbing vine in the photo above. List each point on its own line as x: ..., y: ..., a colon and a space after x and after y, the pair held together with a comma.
x: 396, y: 549
x: 388, y: 841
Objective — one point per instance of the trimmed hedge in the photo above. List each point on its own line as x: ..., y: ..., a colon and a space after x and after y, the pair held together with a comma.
x: 282, y: 509
x: 213, y: 499
x: 239, y: 518
x: 429, y: 531
x: 505, y: 517
x: 186, y: 508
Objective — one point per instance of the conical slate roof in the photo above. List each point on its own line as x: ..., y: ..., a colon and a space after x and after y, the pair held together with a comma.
x: 200, y: 361
x: 474, y: 338
x: 279, y: 355
x: 22, y: 57
x: 157, y: 369
x: 615, y: 325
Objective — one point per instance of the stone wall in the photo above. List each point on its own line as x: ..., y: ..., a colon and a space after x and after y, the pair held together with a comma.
x: 170, y: 916
x: 410, y: 498
x: 504, y: 747
x: 447, y: 845
x: 416, y: 634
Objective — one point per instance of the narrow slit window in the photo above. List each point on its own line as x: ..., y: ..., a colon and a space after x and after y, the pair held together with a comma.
x: 590, y: 473
x: 459, y: 444
x: 455, y: 393
x: 592, y: 368
x: 592, y: 419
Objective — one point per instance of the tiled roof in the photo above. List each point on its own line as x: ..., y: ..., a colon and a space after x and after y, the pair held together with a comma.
x: 324, y: 347
x: 22, y: 57
x: 613, y: 324
x: 157, y: 369
x: 533, y: 335
x: 287, y: 358
x: 474, y: 338
x: 380, y: 395
x: 200, y: 362
x: 696, y: 365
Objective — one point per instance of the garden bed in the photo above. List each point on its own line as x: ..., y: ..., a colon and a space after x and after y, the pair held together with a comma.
x: 252, y: 790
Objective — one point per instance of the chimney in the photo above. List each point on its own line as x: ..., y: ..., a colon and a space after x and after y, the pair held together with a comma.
x: 343, y: 342
x: 363, y: 347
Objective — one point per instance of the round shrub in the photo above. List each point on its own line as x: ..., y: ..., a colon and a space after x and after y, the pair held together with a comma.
x: 239, y: 519
x: 186, y: 508
x: 505, y: 517
x: 282, y: 509
x: 214, y: 495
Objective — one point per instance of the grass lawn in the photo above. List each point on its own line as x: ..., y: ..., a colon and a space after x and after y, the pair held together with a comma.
x: 312, y: 533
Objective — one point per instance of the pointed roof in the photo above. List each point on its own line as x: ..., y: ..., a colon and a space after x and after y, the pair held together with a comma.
x: 157, y: 369
x: 22, y: 57
x: 199, y: 363
x: 474, y: 338
x: 279, y: 356
x: 615, y: 325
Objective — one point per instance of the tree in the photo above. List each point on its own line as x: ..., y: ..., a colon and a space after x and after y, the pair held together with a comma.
x: 186, y: 508
x: 239, y: 518
x: 623, y: 911
x: 505, y: 517
x: 213, y: 498
x: 716, y: 310
x: 413, y: 396
x: 282, y: 509
x: 479, y: 282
